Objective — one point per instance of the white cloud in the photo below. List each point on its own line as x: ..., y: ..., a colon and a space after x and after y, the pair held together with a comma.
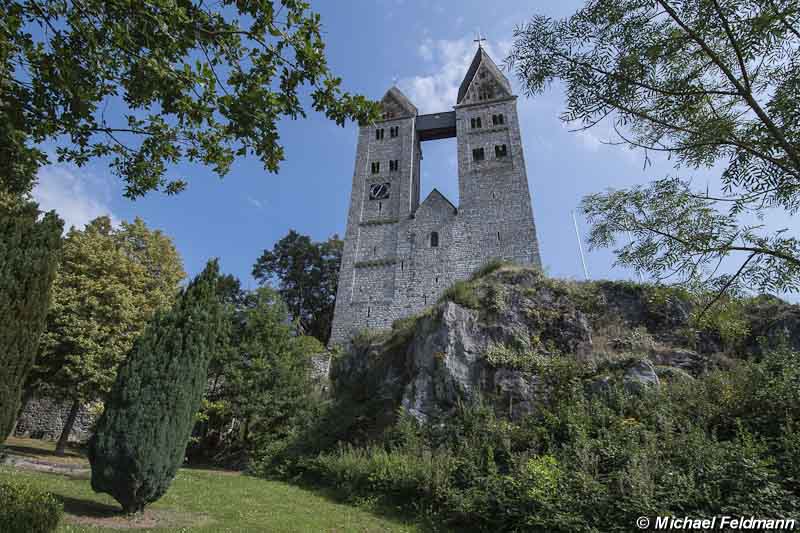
x: 77, y: 196
x: 448, y: 61
x: 255, y: 202
x: 425, y: 50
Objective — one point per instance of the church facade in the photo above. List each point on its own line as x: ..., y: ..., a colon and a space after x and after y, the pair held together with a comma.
x: 399, y: 253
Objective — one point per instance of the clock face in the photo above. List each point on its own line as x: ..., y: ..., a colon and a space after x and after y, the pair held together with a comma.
x: 379, y: 191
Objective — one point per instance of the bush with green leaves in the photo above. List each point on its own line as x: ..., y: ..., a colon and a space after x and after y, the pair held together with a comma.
x: 142, y: 435
x: 726, y: 443
x: 24, y: 509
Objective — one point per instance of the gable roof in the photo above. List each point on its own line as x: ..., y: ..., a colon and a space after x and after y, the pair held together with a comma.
x: 435, y: 196
x: 395, y: 100
x: 482, y: 58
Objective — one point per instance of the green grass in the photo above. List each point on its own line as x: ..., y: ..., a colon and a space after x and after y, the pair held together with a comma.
x: 44, y: 450
x: 208, y: 500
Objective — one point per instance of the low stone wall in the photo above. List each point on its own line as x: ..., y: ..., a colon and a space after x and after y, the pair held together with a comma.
x: 44, y: 418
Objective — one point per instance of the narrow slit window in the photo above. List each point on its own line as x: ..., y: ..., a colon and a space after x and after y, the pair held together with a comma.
x: 369, y: 311
x: 434, y: 239
x: 498, y: 237
x: 380, y: 207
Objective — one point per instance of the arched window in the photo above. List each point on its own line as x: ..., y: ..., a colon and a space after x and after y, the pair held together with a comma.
x: 434, y: 239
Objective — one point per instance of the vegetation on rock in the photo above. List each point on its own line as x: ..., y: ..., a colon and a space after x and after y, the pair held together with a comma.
x: 592, y: 404
x: 141, y: 437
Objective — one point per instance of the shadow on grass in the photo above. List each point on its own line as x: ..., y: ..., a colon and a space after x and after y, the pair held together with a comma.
x: 88, y: 508
x: 34, y: 452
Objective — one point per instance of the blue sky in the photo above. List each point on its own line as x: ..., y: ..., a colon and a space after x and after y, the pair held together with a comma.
x: 426, y: 47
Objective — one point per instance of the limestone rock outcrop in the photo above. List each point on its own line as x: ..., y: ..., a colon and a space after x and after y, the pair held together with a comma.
x: 492, y: 337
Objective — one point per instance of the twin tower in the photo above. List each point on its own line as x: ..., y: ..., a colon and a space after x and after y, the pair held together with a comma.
x: 400, y: 254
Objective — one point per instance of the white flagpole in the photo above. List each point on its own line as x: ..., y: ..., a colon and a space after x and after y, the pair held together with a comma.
x: 580, y: 246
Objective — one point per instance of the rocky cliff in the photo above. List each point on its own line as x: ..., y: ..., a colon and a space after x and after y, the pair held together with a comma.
x: 502, y: 335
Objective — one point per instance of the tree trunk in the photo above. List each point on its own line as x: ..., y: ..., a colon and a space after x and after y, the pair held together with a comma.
x: 26, y: 397
x: 62, y: 441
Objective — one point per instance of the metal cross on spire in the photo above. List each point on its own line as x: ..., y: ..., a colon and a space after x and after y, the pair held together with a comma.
x: 395, y: 79
x: 480, y: 39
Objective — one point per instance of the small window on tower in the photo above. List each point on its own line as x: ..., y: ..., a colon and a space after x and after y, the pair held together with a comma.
x: 394, y: 131
x: 497, y: 120
x: 379, y: 134
x: 434, y: 239
x: 376, y: 167
x: 477, y: 154
x: 394, y: 165
x: 475, y: 122
x: 500, y: 151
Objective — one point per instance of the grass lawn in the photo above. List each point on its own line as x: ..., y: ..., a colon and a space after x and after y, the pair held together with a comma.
x: 205, y: 500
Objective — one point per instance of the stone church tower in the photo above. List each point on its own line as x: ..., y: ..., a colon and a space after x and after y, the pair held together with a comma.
x: 400, y: 254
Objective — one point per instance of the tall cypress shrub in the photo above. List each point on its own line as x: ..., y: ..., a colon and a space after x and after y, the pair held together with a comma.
x: 141, y: 437
x: 29, y: 248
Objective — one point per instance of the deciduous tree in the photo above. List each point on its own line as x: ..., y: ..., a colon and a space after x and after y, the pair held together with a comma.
x: 269, y: 378
x: 150, y: 84
x: 108, y: 285
x: 306, y: 274
x: 706, y: 82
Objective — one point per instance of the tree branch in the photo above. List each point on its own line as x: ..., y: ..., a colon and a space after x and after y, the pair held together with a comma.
x: 726, y: 286
x: 744, y: 93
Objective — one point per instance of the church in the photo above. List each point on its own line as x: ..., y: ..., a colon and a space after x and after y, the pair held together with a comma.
x: 399, y: 253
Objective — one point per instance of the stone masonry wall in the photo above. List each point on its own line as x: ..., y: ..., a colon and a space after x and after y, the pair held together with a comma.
x: 44, y: 418
x: 389, y: 268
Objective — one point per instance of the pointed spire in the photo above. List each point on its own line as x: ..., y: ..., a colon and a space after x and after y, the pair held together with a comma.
x: 482, y: 64
x: 396, y: 105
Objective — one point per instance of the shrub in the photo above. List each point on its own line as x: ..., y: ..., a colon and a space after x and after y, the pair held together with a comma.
x: 492, y: 265
x: 462, y: 293
x: 24, y: 509
x: 726, y: 443
x: 142, y: 435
